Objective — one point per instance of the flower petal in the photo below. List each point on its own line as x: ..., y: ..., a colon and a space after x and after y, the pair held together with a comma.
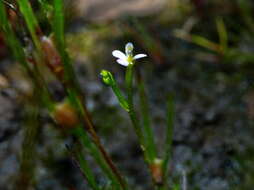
x: 138, y: 56
x: 123, y: 62
x: 118, y: 54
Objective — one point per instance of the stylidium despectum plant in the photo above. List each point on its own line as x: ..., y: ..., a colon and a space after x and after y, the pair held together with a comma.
x: 142, y: 127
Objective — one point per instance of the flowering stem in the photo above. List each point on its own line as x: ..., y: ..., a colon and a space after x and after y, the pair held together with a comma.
x: 132, y: 113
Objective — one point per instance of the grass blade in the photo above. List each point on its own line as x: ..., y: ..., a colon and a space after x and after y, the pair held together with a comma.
x: 31, y: 22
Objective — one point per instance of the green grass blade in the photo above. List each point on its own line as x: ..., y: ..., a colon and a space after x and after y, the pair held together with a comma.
x: 58, y: 29
x: 58, y: 24
x: 203, y: 42
x: 31, y: 22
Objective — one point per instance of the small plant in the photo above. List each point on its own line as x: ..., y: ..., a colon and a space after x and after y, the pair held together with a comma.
x: 158, y: 166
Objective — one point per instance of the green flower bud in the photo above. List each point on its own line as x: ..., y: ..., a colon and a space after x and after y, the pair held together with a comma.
x: 107, y: 78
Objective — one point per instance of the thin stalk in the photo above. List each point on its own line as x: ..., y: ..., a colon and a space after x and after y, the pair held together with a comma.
x: 132, y: 113
x: 122, y: 101
x: 169, y: 138
x: 148, y: 131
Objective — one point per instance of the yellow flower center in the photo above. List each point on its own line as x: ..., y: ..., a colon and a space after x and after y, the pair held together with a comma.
x: 130, y: 59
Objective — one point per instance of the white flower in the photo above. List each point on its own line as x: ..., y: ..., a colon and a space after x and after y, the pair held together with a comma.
x: 127, y: 58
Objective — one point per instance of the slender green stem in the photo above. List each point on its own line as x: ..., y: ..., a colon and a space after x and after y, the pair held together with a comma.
x: 120, y: 97
x: 132, y: 113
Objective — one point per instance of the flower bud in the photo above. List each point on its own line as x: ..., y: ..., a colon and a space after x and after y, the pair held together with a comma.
x: 129, y: 48
x: 156, y: 170
x: 107, y: 78
x: 65, y: 115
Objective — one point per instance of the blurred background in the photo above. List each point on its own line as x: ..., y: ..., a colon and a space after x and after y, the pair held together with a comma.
x: 201, y: 51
